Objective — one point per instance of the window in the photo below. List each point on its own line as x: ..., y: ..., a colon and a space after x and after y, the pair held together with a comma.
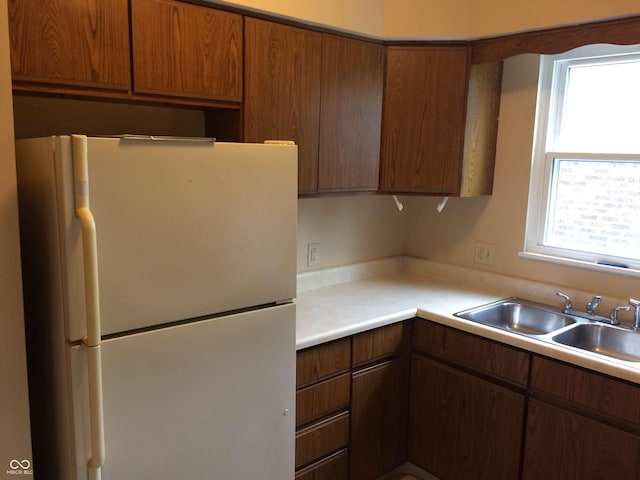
x: 584, y: 199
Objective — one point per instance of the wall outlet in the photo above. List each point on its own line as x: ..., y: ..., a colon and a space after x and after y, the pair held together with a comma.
x: 313, y: 254
x: 485, y: 253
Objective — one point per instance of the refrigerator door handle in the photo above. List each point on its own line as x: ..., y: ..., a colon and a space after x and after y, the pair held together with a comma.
x: 92, y: 303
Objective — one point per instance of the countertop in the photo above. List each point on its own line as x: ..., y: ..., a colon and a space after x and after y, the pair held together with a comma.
x: 344, y: 301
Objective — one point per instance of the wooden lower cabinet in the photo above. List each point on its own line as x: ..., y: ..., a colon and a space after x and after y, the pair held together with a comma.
x: 323, y: 398
x: 463, y: 427
x: 334, y: 467
x: 562, y: 445
x: 580, y: 425
x: 321, y: 439
x: 379, y: 404
x: 460, y: 407
x: 352, y: 404
x: 323, y: 380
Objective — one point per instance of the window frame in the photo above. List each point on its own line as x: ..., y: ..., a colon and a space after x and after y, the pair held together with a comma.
x: 553, y: 67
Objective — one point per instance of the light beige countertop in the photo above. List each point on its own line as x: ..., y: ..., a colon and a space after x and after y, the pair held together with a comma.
x: 343, y: 301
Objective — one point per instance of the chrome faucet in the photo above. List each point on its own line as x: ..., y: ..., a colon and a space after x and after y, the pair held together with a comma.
x: 590, y: 314
x: 593, y: 304
x: 613, y: 316
x: 568, y: 305
x: 636, y: 314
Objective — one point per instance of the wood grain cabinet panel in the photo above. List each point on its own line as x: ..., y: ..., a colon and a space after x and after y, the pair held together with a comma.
x: 322, y: 399
x: 424, y: 119
x: 462, y: 427
x: 282, y: 91
x: 78, y: 43
x: 603, y: 395
x: 186, y: 50
x: 482, y: 355
x: 440, y: 122
x: 323, y: 361
x: 334, y: 467
x: 379, y: 343
x: 562, y: 445
x: 320, y: 439
x: 350, y: 114
x: 322, y: 91
x: 379, y: 409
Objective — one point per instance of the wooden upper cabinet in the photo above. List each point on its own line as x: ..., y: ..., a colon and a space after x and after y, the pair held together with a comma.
x: 424, y: 119
x: 351, y: 114
x: 440, y: 122
x: 77, y: 43
x: 186, y: 50
x: 282, y: 91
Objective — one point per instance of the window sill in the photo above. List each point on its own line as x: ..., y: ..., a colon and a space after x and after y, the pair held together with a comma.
x: 567, y: 262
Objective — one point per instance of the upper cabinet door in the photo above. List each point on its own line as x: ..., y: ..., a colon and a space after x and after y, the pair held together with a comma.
x: 78, y: 43
x: 186, y: 50
x: 282, y: 91
x: 424, y: 119
x: 351, y: 114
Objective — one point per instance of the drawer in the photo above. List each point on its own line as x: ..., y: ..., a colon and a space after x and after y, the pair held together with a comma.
x: 379, y: 343
x: 335, y: 467
x: 599, y: 393
x: 474, y: 352
x: 322, y: 399
x: 323, y: 361
x: 321, y: 439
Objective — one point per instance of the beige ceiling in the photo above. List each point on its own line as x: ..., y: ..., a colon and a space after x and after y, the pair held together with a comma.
x: 441, y: 19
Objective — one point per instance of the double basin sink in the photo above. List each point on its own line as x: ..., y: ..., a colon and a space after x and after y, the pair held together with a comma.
x: 542, y: 322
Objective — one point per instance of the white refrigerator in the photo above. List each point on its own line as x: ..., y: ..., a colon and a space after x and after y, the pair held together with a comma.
x: 159, y: 275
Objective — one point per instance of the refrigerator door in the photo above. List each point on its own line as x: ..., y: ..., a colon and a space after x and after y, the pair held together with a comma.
x: 213, y: 399
x: 183, y: 230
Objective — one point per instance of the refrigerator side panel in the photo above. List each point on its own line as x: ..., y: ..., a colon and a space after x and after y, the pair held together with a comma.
x: 45, y: 308
x: 191, y: 230
x: 210, y: 399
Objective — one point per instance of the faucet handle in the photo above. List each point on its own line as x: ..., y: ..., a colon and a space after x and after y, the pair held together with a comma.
x: 593, y: 304
x: 636, y: 316
x: 613, y: 316
x: 568, y: 305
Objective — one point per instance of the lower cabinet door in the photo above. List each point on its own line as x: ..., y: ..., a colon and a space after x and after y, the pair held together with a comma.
x: 562, y: 445
x: 335, y: 467
x: 378, y: 419
x: 463, y: 427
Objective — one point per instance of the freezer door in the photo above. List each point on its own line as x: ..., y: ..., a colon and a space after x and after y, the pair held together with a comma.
x: 184, y: 230
x: 210, y: 400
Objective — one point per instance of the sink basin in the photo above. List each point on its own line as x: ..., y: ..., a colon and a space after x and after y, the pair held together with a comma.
x: 605, y: 340
x: 519, y: 316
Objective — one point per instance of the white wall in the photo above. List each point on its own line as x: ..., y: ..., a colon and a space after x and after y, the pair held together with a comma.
x: 15, y: 436
x: 349, y: 229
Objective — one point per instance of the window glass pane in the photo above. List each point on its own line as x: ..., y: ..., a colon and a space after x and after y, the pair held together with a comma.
x: 594, y: 207
x: 601, y: 111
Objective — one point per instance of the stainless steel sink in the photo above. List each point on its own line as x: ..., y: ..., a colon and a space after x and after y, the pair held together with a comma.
x: 603, y: 339
x: 518, y: 315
